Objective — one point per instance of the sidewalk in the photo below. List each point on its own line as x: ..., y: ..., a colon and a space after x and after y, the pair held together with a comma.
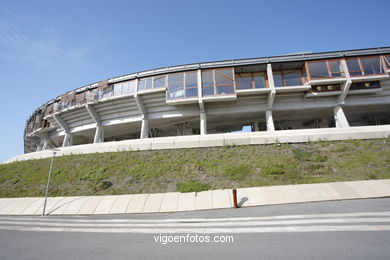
x: 215, y: 199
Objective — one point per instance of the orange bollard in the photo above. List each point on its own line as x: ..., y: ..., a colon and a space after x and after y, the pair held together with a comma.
x: 235, y: 198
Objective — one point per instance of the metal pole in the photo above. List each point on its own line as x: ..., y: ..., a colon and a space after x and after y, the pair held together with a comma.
x: 235, y: 198
x: 48, y: 183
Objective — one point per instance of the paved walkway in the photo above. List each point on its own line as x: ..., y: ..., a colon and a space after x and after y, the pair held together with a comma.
x: 215, y: 199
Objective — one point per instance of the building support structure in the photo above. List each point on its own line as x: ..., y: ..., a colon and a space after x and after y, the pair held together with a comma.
x: 270, y: 100
x: 145, y: 121
x: 99, y: 132
x: 68, y: 139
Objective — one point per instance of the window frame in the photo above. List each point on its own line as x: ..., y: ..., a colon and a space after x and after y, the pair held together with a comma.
x: 215, y: 86
x: 327, y: 61
x: 284, y: 81
x: 253, y: 84
x: 184, y: 85
x: 363, y: 73
x: 152, y: 79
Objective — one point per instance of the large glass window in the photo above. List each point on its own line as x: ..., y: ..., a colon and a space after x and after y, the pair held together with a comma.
x: 124, y: 88
x: 152, y: 83
x: 365, y: 66
x: 250, y: 80
x: 145, y: 83
x: 387, y: 61
x: 325, y: 69
x: 182, y: 85
x: 287, y: 78
x: 217, y: 82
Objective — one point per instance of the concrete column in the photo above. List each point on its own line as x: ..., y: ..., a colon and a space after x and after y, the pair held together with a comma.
x: 257, y: 128
x: 39, y: 147
x: 270, y: 121
x: 340, y: 118
x: 47, y: 143
x: 99, y: 135
x: 144, y: 128
x: 68, y: 140
x: 203, y: 122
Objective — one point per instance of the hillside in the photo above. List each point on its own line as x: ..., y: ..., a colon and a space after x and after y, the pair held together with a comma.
x: 199, y: 169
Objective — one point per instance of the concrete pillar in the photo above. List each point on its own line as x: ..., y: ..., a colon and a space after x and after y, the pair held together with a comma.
x: 269, y: 121
x: 203, y: 123
x: 340, y: 118
x: 257, y: 128
x: 39, y: 147
x: 68, y: 140
x: 144, y: 128
x: 99, y: 135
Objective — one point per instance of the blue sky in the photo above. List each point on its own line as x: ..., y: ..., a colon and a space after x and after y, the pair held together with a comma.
x: 50, y: 47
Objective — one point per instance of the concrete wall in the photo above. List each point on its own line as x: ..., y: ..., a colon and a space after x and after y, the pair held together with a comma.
x: 215, y: 140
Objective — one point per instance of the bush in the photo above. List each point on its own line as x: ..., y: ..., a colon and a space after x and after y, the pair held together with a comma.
x: 192, y: 186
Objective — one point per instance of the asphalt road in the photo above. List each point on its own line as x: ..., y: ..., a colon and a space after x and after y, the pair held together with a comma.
x: 354, y: 229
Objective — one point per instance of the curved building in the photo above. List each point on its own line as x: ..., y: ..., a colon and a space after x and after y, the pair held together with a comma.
x: 338, y: 89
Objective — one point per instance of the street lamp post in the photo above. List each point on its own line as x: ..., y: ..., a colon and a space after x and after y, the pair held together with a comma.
x: 48, y: 183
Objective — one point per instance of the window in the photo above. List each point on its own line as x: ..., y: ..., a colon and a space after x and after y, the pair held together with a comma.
x: 182, y: 85
x: 287, y: 78
x: 250, y: 80
x: 326, y: 88
x: 365, y: 66
x: 159, y: 82
x: 124, y: 88
x: 217, y: 82
x: 365, y: 85
x: 145, y: 83
x: 325, y: 69
x: 387, y: 61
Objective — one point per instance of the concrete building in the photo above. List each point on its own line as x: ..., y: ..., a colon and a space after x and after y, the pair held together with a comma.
x: 338, y: 89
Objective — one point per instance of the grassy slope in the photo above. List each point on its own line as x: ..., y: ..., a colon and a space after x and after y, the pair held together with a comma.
x: 199, y: 169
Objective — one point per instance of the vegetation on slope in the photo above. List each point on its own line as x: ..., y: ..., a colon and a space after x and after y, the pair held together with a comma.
x: 188, y: 170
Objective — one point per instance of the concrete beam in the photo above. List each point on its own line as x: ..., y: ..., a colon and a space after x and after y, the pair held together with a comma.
x: 340, y: 118
x: 271, y: 85
x: 269, y: 121
x: 61, y: 122
x: 99, y: 135
x: 68, y: 140
x: 92, y: 112
x: 344, y: 91
x: 145, y: 122
x: 344, y: 87
x: 203, y: 122
x: 144, y: 129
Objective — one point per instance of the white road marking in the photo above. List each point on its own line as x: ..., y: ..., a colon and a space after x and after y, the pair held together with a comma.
x: 206, y: 224
x: 288, y: 223
x: 207, y: 230
x: 191, y: 220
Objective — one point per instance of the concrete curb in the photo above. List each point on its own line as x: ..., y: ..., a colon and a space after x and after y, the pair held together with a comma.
x: 214, y: 199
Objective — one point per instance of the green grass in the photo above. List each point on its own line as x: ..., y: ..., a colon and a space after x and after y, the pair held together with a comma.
x: 192, y: 186
x: 198, y: 169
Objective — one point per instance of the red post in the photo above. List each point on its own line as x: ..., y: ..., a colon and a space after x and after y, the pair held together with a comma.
x: 235, y: 198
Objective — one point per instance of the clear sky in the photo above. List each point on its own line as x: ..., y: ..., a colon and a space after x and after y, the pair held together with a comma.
x: 50, y: 47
